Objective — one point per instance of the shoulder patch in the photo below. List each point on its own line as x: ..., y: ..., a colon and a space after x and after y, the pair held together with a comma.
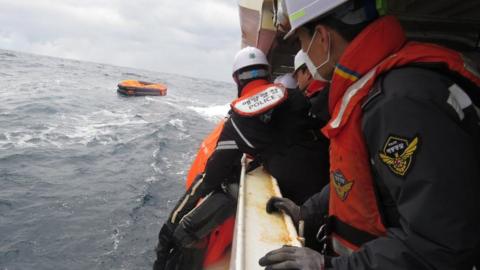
x: 260, y: 101
x: 398, y: 154
x: 341, y: 184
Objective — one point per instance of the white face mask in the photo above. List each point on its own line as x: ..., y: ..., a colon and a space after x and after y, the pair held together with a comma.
x: 311, y: 66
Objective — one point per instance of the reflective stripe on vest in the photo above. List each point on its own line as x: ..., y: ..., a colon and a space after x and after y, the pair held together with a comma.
x: 339, y: 248
x: 349, y: 94
x: 352, y: 198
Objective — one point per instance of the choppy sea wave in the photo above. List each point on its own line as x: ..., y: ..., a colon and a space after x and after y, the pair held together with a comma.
x: 87, y: 176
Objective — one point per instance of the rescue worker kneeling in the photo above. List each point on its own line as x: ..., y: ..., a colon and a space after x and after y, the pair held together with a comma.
x: 263, y: 117
x: 404, y: 144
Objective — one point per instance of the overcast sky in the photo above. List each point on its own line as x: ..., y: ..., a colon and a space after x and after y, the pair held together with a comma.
x: 188, y: 37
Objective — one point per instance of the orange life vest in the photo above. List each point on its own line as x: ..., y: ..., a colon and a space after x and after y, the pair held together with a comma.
x: 256, y: 97
x: 259, y: 97
x: 382, y: 46
x: 206, y: 150
x: 220, y: 238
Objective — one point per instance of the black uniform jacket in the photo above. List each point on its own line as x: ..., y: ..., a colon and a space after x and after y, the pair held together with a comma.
x: 430, y: 197
x: 265, y: 137
x: 301, y: 166
x: 286, y: 140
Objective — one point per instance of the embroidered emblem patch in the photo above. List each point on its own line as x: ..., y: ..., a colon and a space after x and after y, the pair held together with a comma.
x: 341, y: 184
x: 398, y: 154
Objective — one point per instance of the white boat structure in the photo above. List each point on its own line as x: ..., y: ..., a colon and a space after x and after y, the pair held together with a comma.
x: 452, y: 23
x: 256, y: 231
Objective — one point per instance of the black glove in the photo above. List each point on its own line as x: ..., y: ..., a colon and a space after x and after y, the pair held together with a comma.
x: 291, y: 258
x: 164, y: 247
x: 287, y: 206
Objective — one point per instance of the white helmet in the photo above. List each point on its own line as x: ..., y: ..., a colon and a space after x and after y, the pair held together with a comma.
x: 287, y: 80
x: 301, y: 12
x: 249, y: 56
x: 299, y: 61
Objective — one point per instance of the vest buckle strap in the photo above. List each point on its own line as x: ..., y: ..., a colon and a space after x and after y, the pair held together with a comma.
x: 348, y: 232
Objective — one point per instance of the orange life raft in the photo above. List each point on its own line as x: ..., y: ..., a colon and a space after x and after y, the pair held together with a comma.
x: 139, y: 88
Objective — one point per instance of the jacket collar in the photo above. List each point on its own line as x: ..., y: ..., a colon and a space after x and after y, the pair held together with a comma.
x: 251, y: 86
x: 314, y: 87
x: 376, y: 42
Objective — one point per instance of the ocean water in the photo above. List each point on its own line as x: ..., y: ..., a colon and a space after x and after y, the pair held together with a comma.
x: 87, y: 177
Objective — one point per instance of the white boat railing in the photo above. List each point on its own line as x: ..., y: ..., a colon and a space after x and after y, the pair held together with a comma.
x: 256, y: 231
x: 238, y: 246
